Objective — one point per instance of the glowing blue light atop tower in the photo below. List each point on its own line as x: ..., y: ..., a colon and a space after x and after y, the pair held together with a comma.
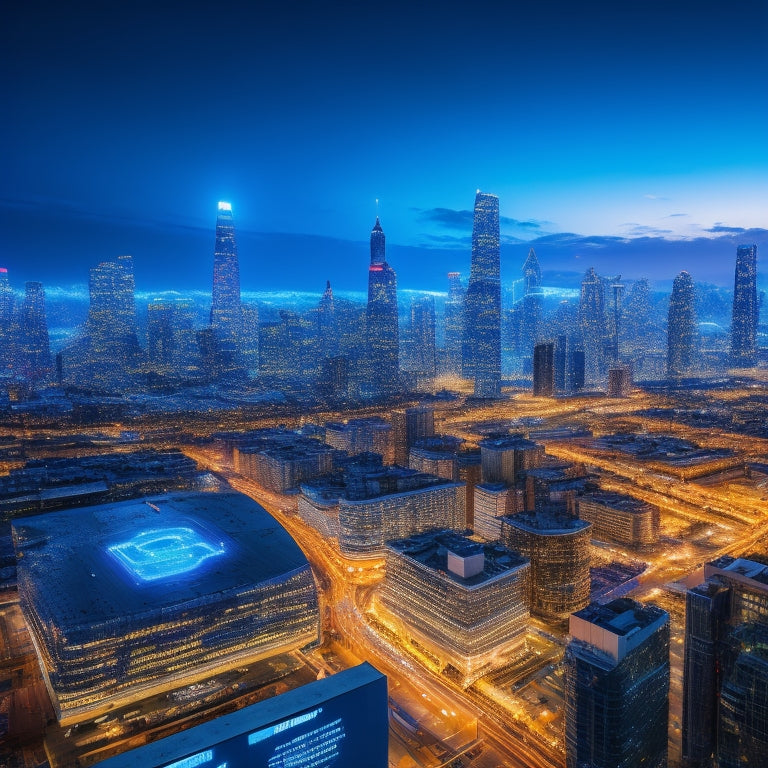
x: 158, y: 553
x: 225, y: 207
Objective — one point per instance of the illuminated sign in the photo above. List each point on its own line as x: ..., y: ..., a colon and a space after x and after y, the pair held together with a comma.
x: 162, y: 552
x: 225, y: 207
x: 349, y: 729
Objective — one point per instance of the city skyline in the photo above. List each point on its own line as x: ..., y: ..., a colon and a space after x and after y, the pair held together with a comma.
x: 647, y: 147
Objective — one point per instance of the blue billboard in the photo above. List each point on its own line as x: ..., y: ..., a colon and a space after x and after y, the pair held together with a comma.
x: 338, y: 722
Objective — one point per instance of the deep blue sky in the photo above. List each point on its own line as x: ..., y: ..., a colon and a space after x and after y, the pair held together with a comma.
x: 638, y: 126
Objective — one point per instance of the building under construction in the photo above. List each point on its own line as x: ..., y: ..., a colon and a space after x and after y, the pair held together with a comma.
x: 558, y: 546
x: 462, y: 601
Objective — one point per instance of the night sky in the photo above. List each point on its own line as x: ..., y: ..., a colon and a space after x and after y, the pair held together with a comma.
x: 632, y: 136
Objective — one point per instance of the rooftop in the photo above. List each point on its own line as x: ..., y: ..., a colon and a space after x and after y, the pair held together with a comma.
x: 621, y: 616
x: 432, y: 547
x: 552, y: 520
x: 96, y: 565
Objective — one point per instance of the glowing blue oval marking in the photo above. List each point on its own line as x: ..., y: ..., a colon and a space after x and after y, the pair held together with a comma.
x: 161, y: 552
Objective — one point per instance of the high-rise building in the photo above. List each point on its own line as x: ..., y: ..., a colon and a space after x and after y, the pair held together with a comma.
x: 226, y: 310
x: 463, y: 601
x: 108, y: 355
x: 171, y: 340
x: 617, y: 686
x: 558, y: 546
x: 544, y: 370
x: 681, y: 333
x: 35, y: 350
x: 745, y: 308
x: 408, y: 426
x: 530, y: 321
x: 725, y: 668
x: 326, y: 323
x: 422, y: 332
x: 383, y: 375
x: 454, y: 324
x: 7, y: 341
x: 482, y: 304
x: 593, y: 325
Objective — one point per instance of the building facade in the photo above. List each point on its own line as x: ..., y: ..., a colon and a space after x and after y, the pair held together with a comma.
x: 681, y: 327
x: 745, y: 308
x: 482, y: 303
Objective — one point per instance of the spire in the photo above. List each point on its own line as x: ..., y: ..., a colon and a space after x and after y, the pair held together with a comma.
x: 531, y: 272
x: 377, y: 244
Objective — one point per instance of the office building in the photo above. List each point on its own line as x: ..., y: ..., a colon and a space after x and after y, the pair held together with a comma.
x: 226, y: 310
x: 745, y: 308
x: 108, y: 356
x: 422, y: 349
x: 725, y: 669
x: 34, y: 351
x: 410, y: 425
x: 619, y: 381
x: 504, y: 458
x: 365, y: 435
x: 464, y: 602
x: 394, y: 503
x: 382, y: 336
x: 544, y: 370
x: 593, y: 327
x: 616, y: 686
x: 558, y: 546
x: 481, y: 350
x: 681, y: 327
x: 532, y: 309
x: 171, y: 338
x: 454, y: 324
x: 128, y: 599
x: 445, y: 456
x: 490, y: 503
x: 621, y: 518
x: 7, y: 341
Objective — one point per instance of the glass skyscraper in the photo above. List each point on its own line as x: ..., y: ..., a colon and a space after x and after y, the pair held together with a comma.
x: 745, y: 308
x: 681, y: 326
x: 382, y: 336
x: 593, y: 326
x: 454, y: 323
x: 482, y: 305
x: 226, y: 310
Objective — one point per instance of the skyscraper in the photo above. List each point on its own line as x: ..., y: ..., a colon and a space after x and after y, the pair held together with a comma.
x: 532, y: 307
x: 226, y: 311
x: 725, y: 668
x: 454, y: 323
x: 423, y: 336
x: 7, y: 341
x: 382, y: 337
x: 482, y: 305
x: 616, y: 686
x: 33, y: 326
x: 544, y: 370
x: 681, y: 325
x: 745, y: 308
x: 593, y: 326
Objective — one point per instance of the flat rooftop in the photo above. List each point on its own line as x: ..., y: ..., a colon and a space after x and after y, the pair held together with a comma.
x: 621, y: 616
x: 551, y: 521
x: 617, y: 501
x: 95, y: 565
x: 739, y: 568
x: 431, y: 549
x: 508, y: 443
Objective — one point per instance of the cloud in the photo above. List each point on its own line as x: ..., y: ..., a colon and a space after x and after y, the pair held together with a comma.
x: 676, y: 215
x: 642, y: 229
x: 655, y: 197
x: 720, y: 229
x: 451, y: 219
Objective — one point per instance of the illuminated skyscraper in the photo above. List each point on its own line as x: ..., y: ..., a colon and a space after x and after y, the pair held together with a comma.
x: 745, y: 308
x: 681, y: 326
x: 226, y: 310
x: 6, y: 319
x: 382, y: 335
x: 482, y: 305
x: 35, y: 352
x: 593, y: 326
x: 423, y: 352
x: 532, y: 308
x: 454, y: 323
